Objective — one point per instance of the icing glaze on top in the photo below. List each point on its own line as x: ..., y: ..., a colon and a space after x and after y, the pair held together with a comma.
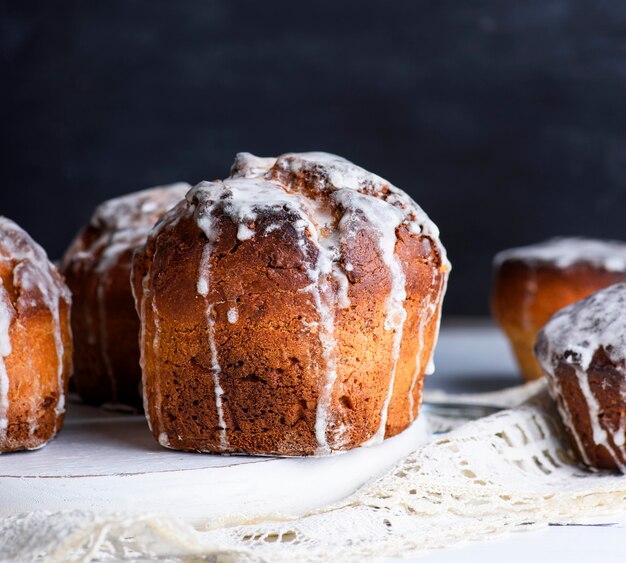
x: 563, y: 252
x: 122, y: 225
x: 598, y: 321
x: 332, y: 173
x: 138, y: 211
x: 328, y: 200
x: 247, y: 165
x: 38, y: 284
x: 574, y: 335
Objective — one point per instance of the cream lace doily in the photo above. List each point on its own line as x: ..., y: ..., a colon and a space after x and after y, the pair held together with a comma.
x: 510, y: 471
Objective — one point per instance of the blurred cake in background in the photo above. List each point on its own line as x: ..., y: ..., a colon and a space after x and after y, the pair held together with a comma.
x: 104, y: 322
x: 532, y: 283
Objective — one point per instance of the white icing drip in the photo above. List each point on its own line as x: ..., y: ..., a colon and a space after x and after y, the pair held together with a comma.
x: 244, y: 232
x: 6, y: 318
x: 320, y: 289
x: 203, y: 290
x: 34, y: 273
x: 566, y: 415
x: 164, y: 440
x: 271, y: 228
x: 430, y: 366
x: 565, y: 252
x: 429, y: 309
x: 575, y: 334
x: 233, y: 315
x: 385, y: 219
x: 247, y: 165
x: 202, y: 285
x: 343, y: 298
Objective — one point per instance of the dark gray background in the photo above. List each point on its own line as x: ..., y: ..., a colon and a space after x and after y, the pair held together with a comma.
x: 504, y: 119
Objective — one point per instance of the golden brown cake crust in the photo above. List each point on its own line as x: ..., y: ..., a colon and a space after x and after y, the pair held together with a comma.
x: 104, y: 321
x: 527, y: 292
x: 261, y: 317
x: 35, y: 342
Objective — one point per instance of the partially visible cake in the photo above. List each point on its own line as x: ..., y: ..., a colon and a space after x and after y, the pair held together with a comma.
x: 532, y: 283
x: 582, y: 351
x: 97, y: 268
x: 35, y: 342
x: 290, y: 309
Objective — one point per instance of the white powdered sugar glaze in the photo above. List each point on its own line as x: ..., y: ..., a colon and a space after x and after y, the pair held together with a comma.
x: 336, y: 196
x: 385, y: 219
x: 563, y: 252
x: 164, y: 440
x: 574, y: 335
x: 6, y: 318
x: 216, y: 369
x: 430, y: 308
x: 247, y: 165
x: 430, y: 365
x: 233, y: 315
x: 123, y: 223
x: 39, y: 284
x: 335, y: 173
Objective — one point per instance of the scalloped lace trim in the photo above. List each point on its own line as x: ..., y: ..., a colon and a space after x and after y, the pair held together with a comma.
x: 507, y: 472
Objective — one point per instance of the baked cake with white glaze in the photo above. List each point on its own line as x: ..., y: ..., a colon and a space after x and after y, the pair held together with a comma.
x: 97, y: 268
x: 582, y: 350
x: 35, y: 342
x: 532, y: 283
x: 290, y: 309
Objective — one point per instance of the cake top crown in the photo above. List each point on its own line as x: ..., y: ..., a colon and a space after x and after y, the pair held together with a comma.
x: 138, y: 210
x: 31, y: 270
x: 563, y: 252
x: 122, y: 224
x: 576, y: 332
x: 320, y: 187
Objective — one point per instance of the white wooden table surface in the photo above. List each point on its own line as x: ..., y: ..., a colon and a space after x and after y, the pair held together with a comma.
x: 108, y: 461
